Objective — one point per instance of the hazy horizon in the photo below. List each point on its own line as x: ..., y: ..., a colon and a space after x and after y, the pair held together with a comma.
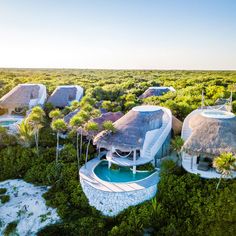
x: 118, y: 35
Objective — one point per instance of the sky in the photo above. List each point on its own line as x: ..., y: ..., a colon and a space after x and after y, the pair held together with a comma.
x: 118, y: 34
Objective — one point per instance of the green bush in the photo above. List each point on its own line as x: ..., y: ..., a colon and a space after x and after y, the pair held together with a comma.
x: 146, y: 167
x: 10, y: 229
x: 4, y: 198
x: 3, y: 190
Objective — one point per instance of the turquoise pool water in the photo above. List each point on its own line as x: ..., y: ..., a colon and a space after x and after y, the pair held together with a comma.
x: 124, y: 174
x: 7, y: 122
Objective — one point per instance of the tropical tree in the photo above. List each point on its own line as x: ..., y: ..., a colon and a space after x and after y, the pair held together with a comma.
x: 75, y: 105
x: 109, y: 126
x: 225, y: 164
x: 176, y: 145
x: 25, y: 133
x: 55, y: 114
x: 59, y: 126
x: 76, y: 123
x: 91, y: 128
x: 35, y: 119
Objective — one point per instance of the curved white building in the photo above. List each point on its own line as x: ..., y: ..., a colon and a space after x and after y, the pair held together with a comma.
x: 24, y: 96
x: 207, y: 133
x: 142, y: 136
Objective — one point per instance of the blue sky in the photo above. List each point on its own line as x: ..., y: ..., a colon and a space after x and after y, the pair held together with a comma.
x: 118, y: 34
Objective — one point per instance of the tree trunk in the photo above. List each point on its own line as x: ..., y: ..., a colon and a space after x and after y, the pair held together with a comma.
x: 57, y: 149
x: 77, y: 152
x: 87, y: 149
x: 218, y: 184
x: 81, y: 143
x: 37, y: 141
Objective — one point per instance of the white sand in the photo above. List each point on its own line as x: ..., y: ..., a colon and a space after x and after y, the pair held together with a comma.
x: 27, y: 206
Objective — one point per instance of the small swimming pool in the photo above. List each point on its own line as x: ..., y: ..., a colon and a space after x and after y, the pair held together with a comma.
x: 218, y: 114
x: 8, y: 121
x: 122, y: 175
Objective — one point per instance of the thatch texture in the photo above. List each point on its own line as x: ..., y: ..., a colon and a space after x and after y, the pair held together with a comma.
x: 176, y: 125
x: 156, y: 91
x: 109, y: 116
x: 62, y: 96
x: 20, y: 96
x: 68, y: 117
x: 130, y: 130
x: 211, y: 136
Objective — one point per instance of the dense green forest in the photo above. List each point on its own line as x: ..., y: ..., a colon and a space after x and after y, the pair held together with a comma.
x: 184, y: 205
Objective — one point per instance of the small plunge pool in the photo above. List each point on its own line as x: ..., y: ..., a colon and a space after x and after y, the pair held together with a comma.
x: 7, y: 121
x: 121, y: 175
x: 218, y: 114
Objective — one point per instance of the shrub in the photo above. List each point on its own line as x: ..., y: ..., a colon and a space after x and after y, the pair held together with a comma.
x: 4, y: 198
x: 10, y: 229
x: 3, y: 190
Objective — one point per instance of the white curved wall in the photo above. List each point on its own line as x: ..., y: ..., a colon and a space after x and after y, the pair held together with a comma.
x: 112, y: 203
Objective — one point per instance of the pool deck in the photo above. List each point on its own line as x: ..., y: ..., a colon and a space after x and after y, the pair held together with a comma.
x: 87, y: 175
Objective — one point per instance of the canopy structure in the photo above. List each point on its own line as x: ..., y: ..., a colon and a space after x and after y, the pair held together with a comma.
x: 131, y: 129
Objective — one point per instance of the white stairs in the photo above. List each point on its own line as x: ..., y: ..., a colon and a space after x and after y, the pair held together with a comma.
x: 159, y: 137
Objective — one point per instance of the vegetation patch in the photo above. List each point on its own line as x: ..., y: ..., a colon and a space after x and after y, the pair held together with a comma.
x: 4, y: 198
x: 10, y: 229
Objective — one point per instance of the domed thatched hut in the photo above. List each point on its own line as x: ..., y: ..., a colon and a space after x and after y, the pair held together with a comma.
x: 141, y: 134
x: 23, y: 96
x: 62, y: 96
x: 211, y: 132
x: 156, y: 91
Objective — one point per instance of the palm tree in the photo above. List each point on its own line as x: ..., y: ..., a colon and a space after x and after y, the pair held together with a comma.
x: 225, y: 164
x: 74, y: 104
x: 25, y: 133
x: 176, y: 145
x: 59, y: 126
x: 91, y: 128
x: 109, y: 126
x: 76, y: 123
x: 35, y: 119
x: 55, y: 114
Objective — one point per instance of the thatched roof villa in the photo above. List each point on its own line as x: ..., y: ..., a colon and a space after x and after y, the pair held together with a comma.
x: 156, y: 91
x: 142, y: 135
x: 207, y: 134
x: 62, y: 96
x: 24, y: 96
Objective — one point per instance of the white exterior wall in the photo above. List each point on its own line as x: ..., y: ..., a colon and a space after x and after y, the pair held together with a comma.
x: 41, y: 98
x: 112, y: 203
x: 80, y: 93
x: 154, y: 139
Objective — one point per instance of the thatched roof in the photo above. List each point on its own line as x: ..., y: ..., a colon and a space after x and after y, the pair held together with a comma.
x: 109, y: 116
x: 63, y: 95
x: 68, y: 117
x: 156, y: 91
x: 20, y: 96
x: 211, y: 136
x: 131, y: 129
x: 176, y: 125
